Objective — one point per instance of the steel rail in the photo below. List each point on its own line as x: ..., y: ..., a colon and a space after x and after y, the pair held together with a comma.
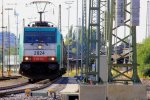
x: 3, y: 94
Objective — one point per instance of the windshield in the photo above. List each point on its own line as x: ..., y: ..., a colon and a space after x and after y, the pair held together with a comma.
x: 40, y: 37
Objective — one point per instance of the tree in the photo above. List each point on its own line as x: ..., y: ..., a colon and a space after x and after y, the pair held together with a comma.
x: 143, y: 57
x: 69, y: 37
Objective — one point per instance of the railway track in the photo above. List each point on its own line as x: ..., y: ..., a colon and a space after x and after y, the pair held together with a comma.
x: 148, y: 92
x: 44, y: 93
x: 8, y: 78
x: 14, y: 86
x: 33, y: 87
x: 13, y: 83
x: 148, y: 88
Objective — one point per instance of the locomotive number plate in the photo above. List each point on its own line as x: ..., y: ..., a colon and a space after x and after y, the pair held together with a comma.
x: 39, y: 52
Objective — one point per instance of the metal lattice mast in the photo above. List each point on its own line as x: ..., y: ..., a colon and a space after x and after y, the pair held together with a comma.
x: 103, y: 4
x: 84, y: 26
x: 102, y: 43
x: 93, y: 39
x: 124, y: 22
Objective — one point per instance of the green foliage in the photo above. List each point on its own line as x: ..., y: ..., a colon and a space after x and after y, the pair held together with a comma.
x: 80, y: 36
x: 143, y: 52
x: 74, y: 50
x: 143, y: 57
x: 12, y: 52
x: 68, y: 41
x: 146, y: 72
x: 69, y: 37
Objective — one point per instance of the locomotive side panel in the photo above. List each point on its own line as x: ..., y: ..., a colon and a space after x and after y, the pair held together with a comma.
x: 58, y: 47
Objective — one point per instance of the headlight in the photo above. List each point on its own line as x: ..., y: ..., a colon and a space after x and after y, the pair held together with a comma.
x: 27, y: 58
x: 52, y: 58
x: 39, y: 46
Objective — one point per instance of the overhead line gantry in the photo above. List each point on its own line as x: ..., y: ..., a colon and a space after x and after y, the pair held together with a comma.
x: 114, y: 23
x: 122, y: 14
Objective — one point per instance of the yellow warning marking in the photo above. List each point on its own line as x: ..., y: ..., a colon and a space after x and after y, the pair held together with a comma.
x: 52, y: 93
x: 51, y: 90
x: 28, y: 92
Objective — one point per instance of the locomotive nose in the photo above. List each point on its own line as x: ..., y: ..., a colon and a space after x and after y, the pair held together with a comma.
x: 25, y: 67
x: 53, y: 67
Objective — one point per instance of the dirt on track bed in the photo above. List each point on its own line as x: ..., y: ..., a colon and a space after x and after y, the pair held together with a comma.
x: 13, y: 82
x: 146, y: 82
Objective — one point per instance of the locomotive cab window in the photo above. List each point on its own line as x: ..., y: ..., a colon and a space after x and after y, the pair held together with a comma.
x: 40, y: 37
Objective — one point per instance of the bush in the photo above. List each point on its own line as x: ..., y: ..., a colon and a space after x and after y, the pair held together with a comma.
x: 143, y: 58
x: 146, y: 72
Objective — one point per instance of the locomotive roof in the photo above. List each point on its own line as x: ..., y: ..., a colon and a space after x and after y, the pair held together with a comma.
x: 40, y: 28
x: 41, y: 24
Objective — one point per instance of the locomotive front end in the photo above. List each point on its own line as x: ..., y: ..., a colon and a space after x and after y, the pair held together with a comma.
x: 40, y: 59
